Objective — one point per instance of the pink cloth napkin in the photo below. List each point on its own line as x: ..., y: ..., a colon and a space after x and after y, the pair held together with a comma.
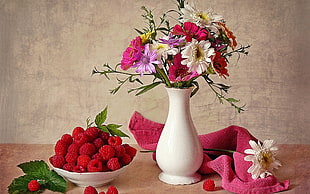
x: 231, y: 167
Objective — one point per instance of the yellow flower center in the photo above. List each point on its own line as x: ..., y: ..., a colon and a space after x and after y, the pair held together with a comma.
x: 202, y: 16
x: 265, y: 159
x: 146, y: 37
x: 198, y: 53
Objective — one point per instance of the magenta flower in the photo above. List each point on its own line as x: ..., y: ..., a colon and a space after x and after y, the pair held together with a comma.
x: 190, y: 31
x: 179, y: 72
x: 132, y: 54
x: 147, y: 61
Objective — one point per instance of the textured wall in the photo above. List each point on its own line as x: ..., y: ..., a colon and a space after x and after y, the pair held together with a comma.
x: 49, y: 48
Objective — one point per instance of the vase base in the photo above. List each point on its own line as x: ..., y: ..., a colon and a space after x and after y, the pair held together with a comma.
x: 179, y: 180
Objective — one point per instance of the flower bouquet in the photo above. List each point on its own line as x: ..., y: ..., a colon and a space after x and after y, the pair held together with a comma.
x: 197, y: 46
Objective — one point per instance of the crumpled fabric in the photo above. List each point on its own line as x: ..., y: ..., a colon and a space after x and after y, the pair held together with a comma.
x: 230, y: 166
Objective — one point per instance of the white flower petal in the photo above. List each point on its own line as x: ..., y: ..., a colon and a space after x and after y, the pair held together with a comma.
x: 268, y: 143
x: 254, y: 145
x: 249, y: 151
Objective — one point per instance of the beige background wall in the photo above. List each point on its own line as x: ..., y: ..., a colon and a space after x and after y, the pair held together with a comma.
x: 49, y: 48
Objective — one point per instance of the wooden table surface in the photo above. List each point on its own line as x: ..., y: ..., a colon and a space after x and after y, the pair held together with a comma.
x: 141, y: 176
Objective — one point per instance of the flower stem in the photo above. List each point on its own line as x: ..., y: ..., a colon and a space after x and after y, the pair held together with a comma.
x: 163, y: 76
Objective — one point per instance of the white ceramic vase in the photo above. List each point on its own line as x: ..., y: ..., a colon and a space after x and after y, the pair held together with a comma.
x: 179, y: 152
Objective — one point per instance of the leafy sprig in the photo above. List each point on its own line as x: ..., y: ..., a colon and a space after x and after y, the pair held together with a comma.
x: 37, y: 170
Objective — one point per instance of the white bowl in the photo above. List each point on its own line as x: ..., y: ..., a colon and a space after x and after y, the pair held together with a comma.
x: 95, y: 179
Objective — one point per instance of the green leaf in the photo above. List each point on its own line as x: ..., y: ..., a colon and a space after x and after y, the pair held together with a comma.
x: 101, y: 117
x: 56, y: 182
x: 20, y: 185
x: 35, y: 168
x: 146, y: 88
x: 232, y: 100
x: 103, y: 128
x: 113, y: 129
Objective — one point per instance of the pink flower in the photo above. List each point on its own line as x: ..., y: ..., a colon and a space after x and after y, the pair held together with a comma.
x: 132, y: 54
x: 179, y: 72
x: 190, y: 30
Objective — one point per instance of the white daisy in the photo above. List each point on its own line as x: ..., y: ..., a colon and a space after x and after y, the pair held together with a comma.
x: 263, y: 158
x: 197, y: 55
x: 163, y: 50
x: 203, y: 19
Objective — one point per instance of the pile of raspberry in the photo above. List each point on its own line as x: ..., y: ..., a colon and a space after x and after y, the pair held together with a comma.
x: 91, y: 150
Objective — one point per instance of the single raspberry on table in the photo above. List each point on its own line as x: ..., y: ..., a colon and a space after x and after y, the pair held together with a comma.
x: 61, y: 148
x: 208, y: 185
x: 113, y: 164
x: 33, y: 185
x: 115, y: 140
x: 57, y: 161
x: 81, y: 139
x: 67, y: 138
x: 107, y: 152
x: 71, y: 157
x: 95, y: 165
x: 87, y: 149
x: 90, y: 190
x: 83, y: 160
x: 68, y: 167
x: 76, y: 131
x: 92, y: 133
x: 74, y: 148
x: 112, y: 190
x: 130, y: 150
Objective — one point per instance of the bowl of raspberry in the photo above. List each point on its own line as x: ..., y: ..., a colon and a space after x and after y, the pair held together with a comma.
x: 91, y: 157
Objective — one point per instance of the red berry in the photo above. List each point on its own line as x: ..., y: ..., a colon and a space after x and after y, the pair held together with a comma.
x: 102, y: 192
x: 94, y: 165
x: 115, y: 140
x: 119, y: 151
x: 77, y: 131
x: 83, y: 160
x: 130, y: 150
x: 90, y: 190
x: 113, y: 164
x: 107, y: 152
x: 208, y: 185
x: 71, y: 157
x: 112, y: 190
x: 104, y: 136
x: 125, y: 159
x: 97, y: 156
x: 67, y: 139
x: 74, y: 148
x: 57, y: 161
x: 80, y: 139
x: 61, y: 148
x: 33, y: 185
x: 79, y: 169
x: 98, y: 142
x: 92, y: 133
x: 87, y: 149
x: 68, y: 167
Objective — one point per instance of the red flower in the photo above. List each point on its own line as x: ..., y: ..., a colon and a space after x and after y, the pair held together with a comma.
x: 190, y: 30
x: 219, y: 64
x: 229, y: 35
x: 133, y: 53
x: 179, y: 72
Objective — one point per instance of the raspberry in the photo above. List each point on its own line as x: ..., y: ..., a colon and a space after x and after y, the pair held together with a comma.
x: 83, y: 160
x: 33, y: 185
x: 98, y: 142
x: 119, y: 151
x: 113, y: 164
x: 79, y: 169
x: 71, y: 157
x: 80, y: 139
x: 105, y: 168
x: 107, y: 152
x: 74, y: 148
x: 125, y: 159
x: 208, y: 185
x: 67, y: 139
x: 112, y: 190
x: 115, y: 140
x: 68, y: 167
x: 92, y: 133
x: 97, y: 156
x: 77, y: 131
x: 102, y: 192
x: 104, y: 136
x: 130, y: 150
x: 94, y: 165
x: 90, y: 190
x: 57, y: 161
x: 87, y: 149
x: 61, y: 148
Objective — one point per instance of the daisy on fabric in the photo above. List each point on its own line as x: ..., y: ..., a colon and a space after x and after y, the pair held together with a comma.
x: 196, y: 46
x: 263, y: 158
